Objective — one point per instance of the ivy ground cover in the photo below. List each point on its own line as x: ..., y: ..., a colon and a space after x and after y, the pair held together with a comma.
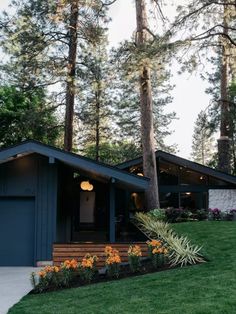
x: 207, y: 288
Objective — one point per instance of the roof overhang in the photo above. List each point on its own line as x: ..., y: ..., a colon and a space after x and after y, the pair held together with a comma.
x: 184, y: 163
x: 95, y: 169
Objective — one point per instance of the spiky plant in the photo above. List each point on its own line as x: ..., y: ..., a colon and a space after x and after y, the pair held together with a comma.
x: 182, y: 252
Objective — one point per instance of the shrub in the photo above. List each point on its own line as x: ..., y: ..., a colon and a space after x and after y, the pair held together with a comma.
x: 173, y: 214
x: 157, y: 252
x: 113, y: 261
x: 201, y: 214
x: 181, y: 251
x: 134, y: 254
x: 87, y: 268
x: 159, y: 213
x: 215, y: 214
x: 230, y: 214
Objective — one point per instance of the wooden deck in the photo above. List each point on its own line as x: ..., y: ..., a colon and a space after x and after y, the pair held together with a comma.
x: 64, y: 251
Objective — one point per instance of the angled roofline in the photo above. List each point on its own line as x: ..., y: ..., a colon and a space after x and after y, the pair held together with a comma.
x: 184, y: 163
x: 74, y: 160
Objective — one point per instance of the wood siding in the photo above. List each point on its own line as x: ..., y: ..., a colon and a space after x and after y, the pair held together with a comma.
x: 62, y: 252
x: 33, y: 176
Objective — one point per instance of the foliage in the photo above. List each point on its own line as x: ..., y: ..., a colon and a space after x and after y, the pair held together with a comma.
x: 202, y: 142
x: 215, y: 213
x: 158, y: 213
x: 48, y: 278
x: 87, y: 268
x: 158, y: 252
x: 126, y: 62
x: 134, y: 255
x: 175, y: 291
x: 113, y: 261
x: 54, y: 277
x: 182, y: 252
x: 201, y: 214
x: 26, y: 115
x: 112, y: 153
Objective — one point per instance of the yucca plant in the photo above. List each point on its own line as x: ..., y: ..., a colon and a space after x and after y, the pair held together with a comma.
x: 182, y: 252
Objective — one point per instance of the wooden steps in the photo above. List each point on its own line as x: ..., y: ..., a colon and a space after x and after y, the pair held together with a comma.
x: 64, y: 251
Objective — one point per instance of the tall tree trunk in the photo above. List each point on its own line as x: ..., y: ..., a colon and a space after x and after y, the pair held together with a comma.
x: 97, y: 140
x: 147, y: 130
x: 70, y: 84
x: 223, y: 141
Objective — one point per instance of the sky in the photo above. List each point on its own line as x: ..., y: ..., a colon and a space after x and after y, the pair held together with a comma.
x: 188, y: 95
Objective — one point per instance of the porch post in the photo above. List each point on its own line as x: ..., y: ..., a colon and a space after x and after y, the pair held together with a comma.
x: 112, y: 223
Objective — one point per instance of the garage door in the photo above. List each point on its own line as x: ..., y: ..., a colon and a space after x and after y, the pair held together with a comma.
x: 16, y: 231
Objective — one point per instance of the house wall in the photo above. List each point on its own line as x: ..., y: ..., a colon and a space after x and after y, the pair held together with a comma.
x: 223, y: 199
x: 33, y: 176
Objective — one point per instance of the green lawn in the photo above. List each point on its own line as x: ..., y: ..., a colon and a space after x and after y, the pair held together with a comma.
x: 209, y: 288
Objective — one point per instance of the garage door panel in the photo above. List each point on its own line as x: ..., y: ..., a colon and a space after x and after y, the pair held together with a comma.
x: 17, y: 232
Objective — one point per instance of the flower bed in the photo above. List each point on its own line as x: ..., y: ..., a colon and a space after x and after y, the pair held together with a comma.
x: 71, y: 273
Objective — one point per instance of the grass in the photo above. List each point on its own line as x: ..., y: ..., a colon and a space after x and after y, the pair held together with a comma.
x: 207, y: 288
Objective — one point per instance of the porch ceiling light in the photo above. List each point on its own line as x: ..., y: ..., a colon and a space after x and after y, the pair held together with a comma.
x: 86, y: 186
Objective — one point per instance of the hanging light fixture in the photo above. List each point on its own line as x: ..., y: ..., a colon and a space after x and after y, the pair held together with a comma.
x: 86, y: 186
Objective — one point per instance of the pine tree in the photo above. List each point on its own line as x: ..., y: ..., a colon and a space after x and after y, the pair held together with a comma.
x: 203, y: 148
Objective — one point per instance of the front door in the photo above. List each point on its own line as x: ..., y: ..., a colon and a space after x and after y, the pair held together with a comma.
x: 87, y: 206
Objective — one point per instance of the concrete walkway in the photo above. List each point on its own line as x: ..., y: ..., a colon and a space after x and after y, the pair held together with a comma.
x: 14, y: 284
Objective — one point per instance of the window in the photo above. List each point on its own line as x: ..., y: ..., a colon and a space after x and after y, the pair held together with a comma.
x: 169, y: 200
x: 190, y: 177
x: 168, y: 173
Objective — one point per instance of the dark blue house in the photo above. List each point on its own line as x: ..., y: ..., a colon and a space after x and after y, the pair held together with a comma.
x: 50, y: 198
x: 48, y: 195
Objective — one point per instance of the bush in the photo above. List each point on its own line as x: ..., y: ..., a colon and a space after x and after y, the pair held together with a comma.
x: 215, y: 214
x: 159, y: 214
x: 173, y: 214
x: 113, y: 261
x: 134, y: 254
x: 201, y: 214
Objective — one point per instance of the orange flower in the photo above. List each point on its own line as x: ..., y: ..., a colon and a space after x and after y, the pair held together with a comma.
x: 135, y: 251
x: 89, y: 261
x: 112, y: 256
x: 154, y: 243
x: 108, y: 250
x: 70, y: 264
x: 42, y: 273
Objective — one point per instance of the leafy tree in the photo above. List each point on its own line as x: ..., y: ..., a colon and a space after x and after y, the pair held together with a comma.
x: 43, y: 39
x: 113, y: 153
x: 26, y: 115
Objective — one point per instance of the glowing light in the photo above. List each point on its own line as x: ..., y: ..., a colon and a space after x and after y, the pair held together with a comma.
x: 86, y: 186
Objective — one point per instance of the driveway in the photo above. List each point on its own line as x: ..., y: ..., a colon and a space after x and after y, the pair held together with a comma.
x: 14, y: 284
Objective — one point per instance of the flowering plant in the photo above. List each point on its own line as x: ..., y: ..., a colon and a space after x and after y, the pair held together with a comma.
x: 134, y: 254
x: 158, y: 252
x: 112, y: 262
x: 215, y: 213
x: 87, y: 268
x: 47, y: 278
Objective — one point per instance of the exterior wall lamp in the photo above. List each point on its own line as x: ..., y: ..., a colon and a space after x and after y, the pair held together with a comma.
x: 86, y: 186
